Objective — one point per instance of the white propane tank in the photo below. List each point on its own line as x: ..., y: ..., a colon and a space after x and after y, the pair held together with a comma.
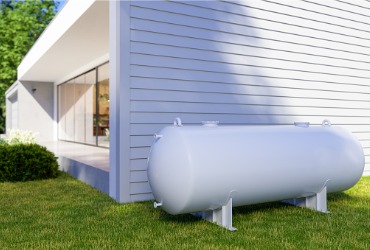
x: 200, y: 168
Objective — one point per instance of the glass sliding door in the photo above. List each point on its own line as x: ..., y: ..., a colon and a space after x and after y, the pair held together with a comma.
x: 83, y: 108
x: 103, y: 105
x: 62, y: 112
x: 90, y: 107
x: 69, y: 110
x: 79, y: 106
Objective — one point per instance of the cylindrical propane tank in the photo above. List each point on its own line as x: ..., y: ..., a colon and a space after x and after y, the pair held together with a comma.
x: 199, y: 168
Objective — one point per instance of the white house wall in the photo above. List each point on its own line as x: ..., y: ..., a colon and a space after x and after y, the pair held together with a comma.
x: 11, y: 96
x: 14, y: 112
x: 35, y: 109
x: 247, y: 62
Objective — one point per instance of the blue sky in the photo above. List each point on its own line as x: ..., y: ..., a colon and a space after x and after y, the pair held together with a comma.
x: 61, y: 4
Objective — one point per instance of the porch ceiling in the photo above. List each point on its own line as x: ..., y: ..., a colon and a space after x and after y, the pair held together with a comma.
x: 77, y: 37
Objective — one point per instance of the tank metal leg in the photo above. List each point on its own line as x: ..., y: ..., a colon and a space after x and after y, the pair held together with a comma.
x: 222, y: 216
x: 316, y: 202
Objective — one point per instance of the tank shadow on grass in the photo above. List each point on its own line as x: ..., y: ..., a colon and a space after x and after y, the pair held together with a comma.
x: 349, y: 211
x: 262, y: 207
x: 333, y: 198
x: 339, y: 196
x: 240, y: 215
x: 343, y: 201
x: 180, y: 218
x: 242, y: 210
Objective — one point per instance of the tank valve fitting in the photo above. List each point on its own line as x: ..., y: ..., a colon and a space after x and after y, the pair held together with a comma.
x: 326, y: 123
x: 158, y: 136
x: 177, y: 122
x: 157, y: 204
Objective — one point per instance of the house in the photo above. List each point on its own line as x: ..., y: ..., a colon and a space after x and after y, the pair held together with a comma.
x: 133, y: 66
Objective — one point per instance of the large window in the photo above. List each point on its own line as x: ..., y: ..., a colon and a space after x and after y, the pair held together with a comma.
x: 83, y: 108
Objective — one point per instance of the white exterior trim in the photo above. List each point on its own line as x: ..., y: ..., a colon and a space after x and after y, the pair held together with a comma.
x: 76, y: 40
x: 99, y: 61
x: 72, y: 11
x: 12, y: 89
x: 119, y: 173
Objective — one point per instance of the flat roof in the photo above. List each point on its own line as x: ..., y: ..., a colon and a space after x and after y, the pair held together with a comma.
x: 76, y: 40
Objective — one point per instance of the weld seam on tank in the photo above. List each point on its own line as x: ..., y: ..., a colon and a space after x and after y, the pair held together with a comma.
x: 302, y: 124
x: 210, y: 123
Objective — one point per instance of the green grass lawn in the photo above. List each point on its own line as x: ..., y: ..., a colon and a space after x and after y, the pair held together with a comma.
x: 65, y: 213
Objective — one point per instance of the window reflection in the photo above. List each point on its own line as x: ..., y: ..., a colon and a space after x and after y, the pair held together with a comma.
x: 103, y: 106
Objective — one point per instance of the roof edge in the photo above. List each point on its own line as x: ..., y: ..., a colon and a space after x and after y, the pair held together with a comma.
x: 10, y: 91
x: 68, y: 15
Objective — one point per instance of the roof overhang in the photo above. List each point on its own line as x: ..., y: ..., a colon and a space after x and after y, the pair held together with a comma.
x: 75, y: 41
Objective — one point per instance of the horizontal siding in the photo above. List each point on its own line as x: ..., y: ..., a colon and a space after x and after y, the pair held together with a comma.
x: 254, y: 78
x: 138, y: 176
x: 274, y: 51
x: 325, y: 48
x: 141, y: 197
x: 140, y: 188
x: 231, y: 34
x: 249, y: 86
x: 258, y: 96
x: 360, y: 135
x: 227, y: 69
x: 330, y: 66
x: 139, y: 164
x: 204, y: 28
x: 247, y: 62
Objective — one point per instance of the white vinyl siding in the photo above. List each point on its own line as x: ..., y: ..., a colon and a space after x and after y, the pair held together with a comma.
x: 247, y: 62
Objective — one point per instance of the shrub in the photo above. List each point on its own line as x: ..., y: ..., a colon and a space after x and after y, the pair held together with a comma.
x: 2, y: 141
x: 25, y: 162
x: 18, y: 136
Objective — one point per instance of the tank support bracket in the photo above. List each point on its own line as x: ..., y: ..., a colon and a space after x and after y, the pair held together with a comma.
x: 316, y: 202
x: 222, y: 216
